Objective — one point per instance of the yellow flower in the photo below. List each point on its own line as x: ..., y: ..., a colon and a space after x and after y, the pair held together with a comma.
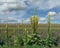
x: 48, y: 13
x: 6, y: 25
x: 25, y: 29
x: 49, y: 23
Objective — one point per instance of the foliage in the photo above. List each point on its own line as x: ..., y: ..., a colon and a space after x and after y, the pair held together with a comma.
x: 33, y: 40
x: 34, y: 23
x: 18, y: 40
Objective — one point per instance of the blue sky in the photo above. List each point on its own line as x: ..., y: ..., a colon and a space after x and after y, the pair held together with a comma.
x: 14, y: 11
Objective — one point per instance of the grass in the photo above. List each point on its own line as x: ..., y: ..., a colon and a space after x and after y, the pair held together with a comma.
x: 42, y: 29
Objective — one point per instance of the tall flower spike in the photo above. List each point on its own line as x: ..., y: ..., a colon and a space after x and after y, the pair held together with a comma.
x: 7, y: 31
x: 34, y: 21
x: 49, y: 18
x: 49, y: 24
x: 6, y: 27
x: 34, y: 11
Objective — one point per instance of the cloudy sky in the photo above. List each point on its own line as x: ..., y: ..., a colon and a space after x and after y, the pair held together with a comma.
x: 14, y: 11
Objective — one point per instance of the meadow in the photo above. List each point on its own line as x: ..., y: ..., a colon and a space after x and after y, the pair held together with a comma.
x: 15, y: 30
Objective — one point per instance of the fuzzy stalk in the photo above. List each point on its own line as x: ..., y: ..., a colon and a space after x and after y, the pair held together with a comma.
x: 34, y: 23
x: 49, y: 25
x: 7, y: 32
x: 25, y: 30
x: 18, y: 27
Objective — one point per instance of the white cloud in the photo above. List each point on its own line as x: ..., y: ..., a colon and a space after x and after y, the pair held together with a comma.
x: 54, y: 18
x: 11, y: 17
x: 59, y: 13
x: 53, y: 13
x: 10, y: 6
x: 21, y: 5
x: 27, y: 20
x: 8, y: 0
x: 45, y: 4
x: 42, y: 20
x: 40, y: 4
x: 14, y: 5
x: 55, y: 22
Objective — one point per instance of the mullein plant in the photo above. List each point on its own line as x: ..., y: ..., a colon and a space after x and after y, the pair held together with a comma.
x: 34, y: 22
x: 26, y: 34
x: 7, y: 31
x: 49, y: 25
x: 48, y: 38
x: 52, y: 40
x: 49, y: 29
x: 49, y: 41
x: 15, y: 35
x: 34, y: 38
x: 22, y: 24
x: 18, y: 28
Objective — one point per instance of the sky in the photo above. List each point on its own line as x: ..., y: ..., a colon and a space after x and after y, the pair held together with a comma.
x: 14, y: 11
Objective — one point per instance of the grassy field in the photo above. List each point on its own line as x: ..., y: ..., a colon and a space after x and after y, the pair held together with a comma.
x: 42, y: 30
x: 55, y: 28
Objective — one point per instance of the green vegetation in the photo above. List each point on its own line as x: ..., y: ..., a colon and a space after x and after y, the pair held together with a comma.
x: 33, y: 39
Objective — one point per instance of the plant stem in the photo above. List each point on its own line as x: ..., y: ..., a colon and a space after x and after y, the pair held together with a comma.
x: 25, y: 36
x: 49, y: 25
x: 7, y: 31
